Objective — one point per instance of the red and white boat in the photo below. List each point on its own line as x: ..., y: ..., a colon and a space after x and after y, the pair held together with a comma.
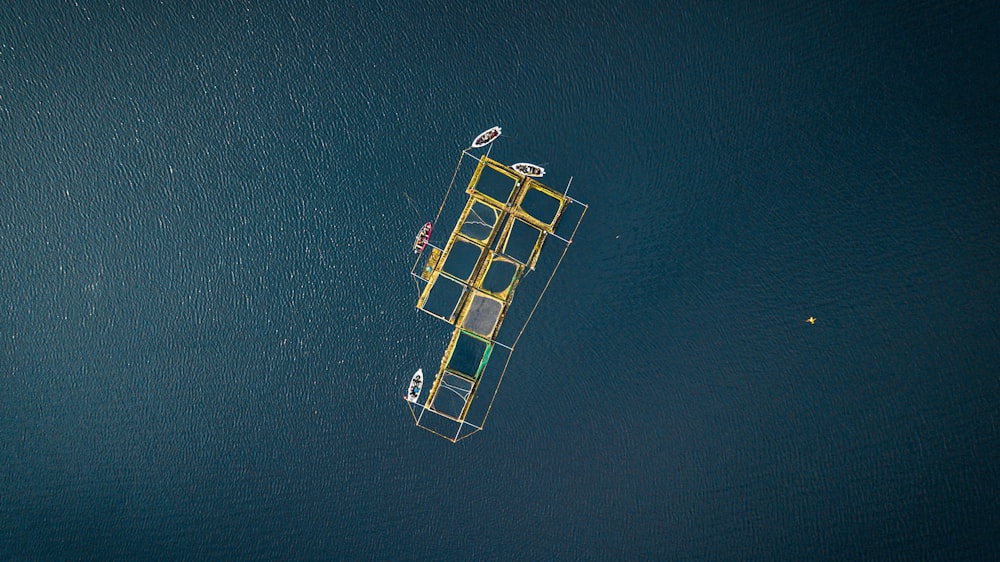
x: 486, y: 137
x: 422, y: 238
x: 527, y: 169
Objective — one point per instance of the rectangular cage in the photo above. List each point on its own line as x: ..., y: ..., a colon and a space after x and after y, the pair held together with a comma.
x: 494, y: 181
x: 482, y: 314
x: 540, y: 205
x: 522, y: 242
x: 462, y: 258
x: 468, y: 354
x: 441, y: 297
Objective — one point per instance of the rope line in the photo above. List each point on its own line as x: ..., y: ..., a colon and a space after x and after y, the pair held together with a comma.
x: 450, y: 185
x: 412, y: 205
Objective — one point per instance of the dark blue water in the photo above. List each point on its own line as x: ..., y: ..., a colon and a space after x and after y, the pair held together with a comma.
x: 206, y: 319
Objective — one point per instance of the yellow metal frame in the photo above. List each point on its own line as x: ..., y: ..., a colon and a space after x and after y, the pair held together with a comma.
x: 506, y: 214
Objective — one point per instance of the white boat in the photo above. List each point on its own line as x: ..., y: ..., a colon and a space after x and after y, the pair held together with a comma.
x: 413, y: 394
x: 527, y: 169
x: 486, y: 137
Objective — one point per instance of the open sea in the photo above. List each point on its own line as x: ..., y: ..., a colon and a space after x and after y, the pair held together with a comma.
x: 207, y: 319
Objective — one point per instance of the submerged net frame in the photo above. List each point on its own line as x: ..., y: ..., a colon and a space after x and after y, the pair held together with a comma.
x: 470, y: 283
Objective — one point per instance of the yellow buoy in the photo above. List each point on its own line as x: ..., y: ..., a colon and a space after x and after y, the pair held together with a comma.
x: 811, y: 320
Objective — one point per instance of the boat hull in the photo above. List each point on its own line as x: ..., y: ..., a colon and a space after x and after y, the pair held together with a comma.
x: 486, y: 137
x: 422, y: 238
x: 530, y: 170
x: 416, y: 384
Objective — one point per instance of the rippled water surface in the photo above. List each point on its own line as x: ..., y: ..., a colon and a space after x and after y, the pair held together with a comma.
x: 206, y: 319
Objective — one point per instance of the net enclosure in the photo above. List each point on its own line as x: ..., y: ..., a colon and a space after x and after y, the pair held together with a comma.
x: 470, y: 281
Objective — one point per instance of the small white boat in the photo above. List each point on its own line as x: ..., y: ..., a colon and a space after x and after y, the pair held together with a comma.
x: 527, y: 169
x: 486, y: 137
x: 415, y: 384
